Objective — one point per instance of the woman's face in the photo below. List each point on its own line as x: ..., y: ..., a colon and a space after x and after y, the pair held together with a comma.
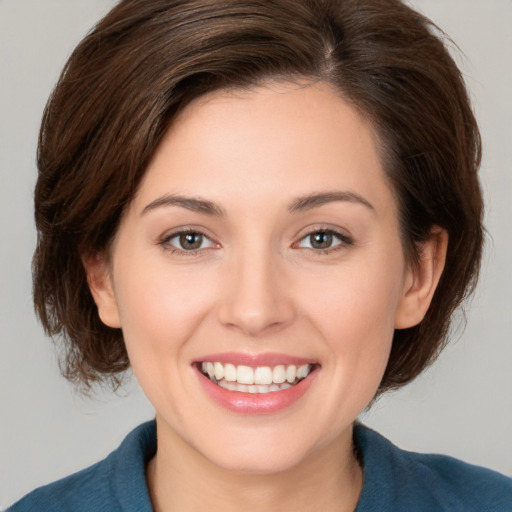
x: 263, y: 246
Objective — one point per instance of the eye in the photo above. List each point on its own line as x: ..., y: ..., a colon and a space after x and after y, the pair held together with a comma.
x: 324, y: 240
x: 188, y: 241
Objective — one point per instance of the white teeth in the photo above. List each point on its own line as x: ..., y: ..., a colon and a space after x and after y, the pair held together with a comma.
x: 263, y: 375
x: 227, y: 385
x: 245, y: 375
x: 230, y: 372
x: 219, y: 371
x: 262, y: 379
x: 243, y: 388
x: 303, y: 371
x: 279, y: 374
x: 291, y: 373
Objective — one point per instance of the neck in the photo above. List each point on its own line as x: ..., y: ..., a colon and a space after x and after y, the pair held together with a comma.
x: 180, y: 478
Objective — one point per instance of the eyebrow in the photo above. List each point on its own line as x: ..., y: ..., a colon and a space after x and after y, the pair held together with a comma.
x: 300, y: 204
x: 315, y: 200
x: 194, y: 204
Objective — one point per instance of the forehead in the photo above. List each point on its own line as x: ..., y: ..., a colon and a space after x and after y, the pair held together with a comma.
x: 287, y: 138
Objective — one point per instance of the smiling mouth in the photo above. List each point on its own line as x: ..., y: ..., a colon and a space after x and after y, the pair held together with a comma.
x: 260, y: 379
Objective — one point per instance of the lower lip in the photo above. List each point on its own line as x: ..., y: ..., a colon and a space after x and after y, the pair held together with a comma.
x: 256, y: 403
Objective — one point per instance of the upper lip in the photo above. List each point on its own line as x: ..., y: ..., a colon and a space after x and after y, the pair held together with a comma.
x: 254, y: 360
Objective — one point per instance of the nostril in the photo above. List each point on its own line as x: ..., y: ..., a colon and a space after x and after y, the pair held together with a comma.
x: 254, y: 320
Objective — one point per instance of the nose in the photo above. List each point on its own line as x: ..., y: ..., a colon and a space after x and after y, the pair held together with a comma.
x: 258, y: 299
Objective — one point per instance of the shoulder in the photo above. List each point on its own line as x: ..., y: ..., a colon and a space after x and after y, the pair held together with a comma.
x: 412, y: 481
x: 102, y: 486
x: 86, y: 490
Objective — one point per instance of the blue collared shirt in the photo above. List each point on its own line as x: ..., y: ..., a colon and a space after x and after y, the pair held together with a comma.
x: 395, y: 480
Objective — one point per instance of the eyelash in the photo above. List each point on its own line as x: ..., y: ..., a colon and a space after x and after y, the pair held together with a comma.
x: 344, y: 241
x: 165, y: 242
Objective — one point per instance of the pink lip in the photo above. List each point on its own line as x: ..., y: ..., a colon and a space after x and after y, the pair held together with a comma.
x: 255, y: 403
x: 241, y: 358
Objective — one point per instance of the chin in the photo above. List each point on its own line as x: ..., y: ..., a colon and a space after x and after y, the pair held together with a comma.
x: 260, y: 451
x: 258, y: 461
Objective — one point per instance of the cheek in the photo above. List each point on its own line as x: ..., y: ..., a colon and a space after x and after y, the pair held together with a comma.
x: 160, y: 312
x: 160, y: 307
x: 355, y: 313
x: 361, y: 296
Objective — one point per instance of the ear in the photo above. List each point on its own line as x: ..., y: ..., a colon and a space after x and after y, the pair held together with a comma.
x: 100, y: 284
x: 421, y: 280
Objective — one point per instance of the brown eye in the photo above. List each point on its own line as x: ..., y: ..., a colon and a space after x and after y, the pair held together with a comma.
x: 190, y: 241
x: 324, y: 240
x: 187, y: 241
x: 321, y: 240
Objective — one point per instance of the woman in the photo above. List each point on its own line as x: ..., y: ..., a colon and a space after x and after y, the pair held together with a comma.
x: 269, y: 211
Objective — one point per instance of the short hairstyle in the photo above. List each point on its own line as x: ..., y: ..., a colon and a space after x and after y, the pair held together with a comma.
x: 147, y: 59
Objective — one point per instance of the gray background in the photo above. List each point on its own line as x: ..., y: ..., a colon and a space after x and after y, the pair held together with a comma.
x: 462, y: 406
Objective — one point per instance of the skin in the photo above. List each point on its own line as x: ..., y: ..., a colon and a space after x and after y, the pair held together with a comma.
x: 257, y: 285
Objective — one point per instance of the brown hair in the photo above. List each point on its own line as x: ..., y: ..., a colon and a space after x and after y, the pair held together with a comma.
x: 147, y: 59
